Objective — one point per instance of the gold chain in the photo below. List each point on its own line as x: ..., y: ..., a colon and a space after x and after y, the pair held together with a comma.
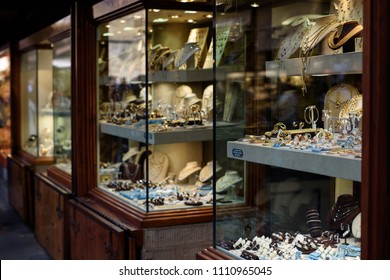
x: 338, y: 102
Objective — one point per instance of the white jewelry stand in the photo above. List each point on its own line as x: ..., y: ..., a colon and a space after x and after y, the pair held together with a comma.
x: 132, y: 152
x: 190, y: 168
x: 207, y: 102
x: 158, y: 167
x: 231, y: 178
x: 178, y: 98
x: 206, y: 173
x: 191, y: 99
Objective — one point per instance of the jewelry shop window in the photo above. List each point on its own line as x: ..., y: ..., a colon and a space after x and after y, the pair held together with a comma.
x: 155, y: 108
x: 289, y: 78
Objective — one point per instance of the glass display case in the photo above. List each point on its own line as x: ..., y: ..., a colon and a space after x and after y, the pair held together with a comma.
x: 36, y: 77
x: 155, y: 106
x: 61, y: 104
x: 289, y: 77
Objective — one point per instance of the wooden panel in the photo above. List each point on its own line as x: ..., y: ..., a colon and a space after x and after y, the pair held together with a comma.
x: 92, y: 237
x: 60, y: 177
x: 375, y: 196
x: 17, y: 187
x: 51, y: 218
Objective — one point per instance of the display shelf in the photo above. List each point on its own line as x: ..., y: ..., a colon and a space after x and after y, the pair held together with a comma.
x: 302, y: 160
x: 176, y: 135
x: 319, y: 65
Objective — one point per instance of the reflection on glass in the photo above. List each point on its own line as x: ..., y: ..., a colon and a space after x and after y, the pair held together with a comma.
x: 36, y: 91
x: 60, y: 102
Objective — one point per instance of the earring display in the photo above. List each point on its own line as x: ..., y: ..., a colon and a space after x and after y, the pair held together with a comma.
x: 348, y: 10
x: 221, y: 40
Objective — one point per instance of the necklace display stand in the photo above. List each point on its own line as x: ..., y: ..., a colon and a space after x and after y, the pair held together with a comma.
x: 230, y: 179
x: 207, y: 102
x: 158, y: 167
x: 190, y: 168
x: 335, y: 99
x: 206, y: 173
x: 198, y: 35
x: 186, y: 56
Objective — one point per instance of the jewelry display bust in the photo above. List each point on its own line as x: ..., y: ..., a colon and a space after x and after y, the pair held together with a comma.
x: 158, y: 167
x: 231, y: 178
x: 142, y: 95
x: 207, y: 101
x: 336, y: 98
x: 189, y: 49
x: 207, y: 171
x: 356, y: 226
x: 190, y: 99
x: 343, y: 211
x: 179, y: 96
x: 190, y: 168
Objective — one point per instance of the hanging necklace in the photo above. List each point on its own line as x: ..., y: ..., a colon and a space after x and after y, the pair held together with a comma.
x: 317, y: 32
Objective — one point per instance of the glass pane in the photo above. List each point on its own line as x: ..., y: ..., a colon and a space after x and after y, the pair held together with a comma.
x: 28, y: 79
x: 36, y: 91
x: 157, y: 126
x: 61, y: 102
x: 122, y: 101
x: 289, y: 90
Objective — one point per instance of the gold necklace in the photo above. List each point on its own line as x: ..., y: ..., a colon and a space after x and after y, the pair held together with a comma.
x: 355, y: 105
x: 337, y: 102
x: 310, y: 41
